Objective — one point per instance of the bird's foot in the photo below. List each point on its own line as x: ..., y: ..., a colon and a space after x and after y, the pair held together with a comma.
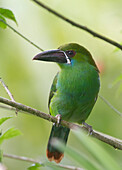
x: 58, y: 116
x: 89, y: 127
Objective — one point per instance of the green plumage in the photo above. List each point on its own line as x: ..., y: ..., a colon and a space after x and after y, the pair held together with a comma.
x: 74, y: 90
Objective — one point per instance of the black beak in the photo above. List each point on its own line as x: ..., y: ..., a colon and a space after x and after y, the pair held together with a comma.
x: 52, y: 56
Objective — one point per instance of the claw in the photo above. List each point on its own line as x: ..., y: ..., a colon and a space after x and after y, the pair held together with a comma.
x: 89, y: 127
x: 58, y: 116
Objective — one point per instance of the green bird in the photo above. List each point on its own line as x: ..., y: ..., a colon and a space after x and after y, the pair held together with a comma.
x: 74, y: 90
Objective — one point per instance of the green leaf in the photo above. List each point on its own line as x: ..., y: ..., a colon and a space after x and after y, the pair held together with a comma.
x: 77, y: 157
x: 8, y: 14
x: 98, y: 157
x: 35, y: 167
x: 2, y: 25
x: 99, y: 153
x: 10, y: 133
x: 3, y: 119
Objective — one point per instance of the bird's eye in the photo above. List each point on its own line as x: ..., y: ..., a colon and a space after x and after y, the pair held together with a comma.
x: 71, y: 53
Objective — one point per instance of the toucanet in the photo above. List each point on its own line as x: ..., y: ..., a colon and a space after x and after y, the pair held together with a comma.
x: 73, y: 93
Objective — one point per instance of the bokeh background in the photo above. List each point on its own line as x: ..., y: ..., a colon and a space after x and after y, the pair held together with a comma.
x: 30, y: 81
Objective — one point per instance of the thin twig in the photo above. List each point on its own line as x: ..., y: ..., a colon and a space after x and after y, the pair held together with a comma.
x: 21, y: 35
x: 22, y: 158
x: 7, y: 107
x: 116, y: 143
x: 8, y: 92
x: 111, y: 106
x: 95, y: 34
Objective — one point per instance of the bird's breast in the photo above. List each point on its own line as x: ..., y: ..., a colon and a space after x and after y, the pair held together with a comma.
x: 78, y: 82
x: 76, y: 92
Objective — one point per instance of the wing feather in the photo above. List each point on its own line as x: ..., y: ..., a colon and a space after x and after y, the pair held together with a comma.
x: 53, y: 89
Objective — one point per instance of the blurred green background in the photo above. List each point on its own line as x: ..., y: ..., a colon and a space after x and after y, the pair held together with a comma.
x: 30, y: 81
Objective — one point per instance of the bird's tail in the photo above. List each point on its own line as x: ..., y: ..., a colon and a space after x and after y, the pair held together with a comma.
x: 60, y: 133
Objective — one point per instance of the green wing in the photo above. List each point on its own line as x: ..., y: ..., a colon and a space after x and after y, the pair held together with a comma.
x: 53, y: 89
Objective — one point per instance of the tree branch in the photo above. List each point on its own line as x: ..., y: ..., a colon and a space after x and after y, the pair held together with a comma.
x: 95, y: 34
x: 22, y: 158
x: 116, y: 143
x: 21, y: 35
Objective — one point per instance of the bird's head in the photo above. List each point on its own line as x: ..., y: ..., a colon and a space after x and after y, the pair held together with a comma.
x: 67, y: 55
